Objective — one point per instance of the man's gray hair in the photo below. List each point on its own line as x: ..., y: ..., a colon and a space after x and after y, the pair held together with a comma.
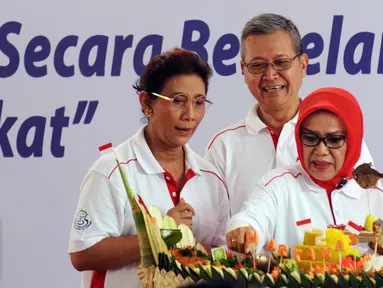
x: 269, y: 23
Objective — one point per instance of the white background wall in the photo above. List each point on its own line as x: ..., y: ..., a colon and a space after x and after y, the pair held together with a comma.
x: 38, y: 195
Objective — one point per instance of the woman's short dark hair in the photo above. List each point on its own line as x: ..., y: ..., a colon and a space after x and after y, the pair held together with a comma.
x: 171, y: 63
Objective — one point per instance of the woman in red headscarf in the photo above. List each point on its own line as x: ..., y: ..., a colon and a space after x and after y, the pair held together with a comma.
x: 319, y: 187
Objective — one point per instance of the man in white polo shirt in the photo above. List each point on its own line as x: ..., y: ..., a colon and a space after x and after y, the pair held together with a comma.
x: 274, y: 66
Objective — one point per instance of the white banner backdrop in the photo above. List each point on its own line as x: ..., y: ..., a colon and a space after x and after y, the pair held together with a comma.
x: 66, y: 75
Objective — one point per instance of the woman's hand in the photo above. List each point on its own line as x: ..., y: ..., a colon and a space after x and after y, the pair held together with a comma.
x: 236, y: 238
x: 182, y: 213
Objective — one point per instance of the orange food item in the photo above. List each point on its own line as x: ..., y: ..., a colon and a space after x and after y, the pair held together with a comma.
x: 282, y: 250
x: 297, y: 254
x: 339, y: 245
x: 275, y: 273
x: 310, y: 254
x: 251, y: 237
x: 318, y: 269
x: 323, y: 252
x: 189, y: 261
x: 271, y: 246
x: 354, y: 240
x: 251, y: 242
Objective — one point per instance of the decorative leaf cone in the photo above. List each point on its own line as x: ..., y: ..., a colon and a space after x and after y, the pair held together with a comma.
x: 147, y: 258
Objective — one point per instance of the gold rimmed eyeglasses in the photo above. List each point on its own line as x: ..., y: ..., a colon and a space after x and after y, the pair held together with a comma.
x: 180, y: 100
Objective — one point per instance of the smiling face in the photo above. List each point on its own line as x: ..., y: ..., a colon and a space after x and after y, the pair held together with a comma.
x: 323, y: 163
x: 172, y: 124
x: 273, y: 89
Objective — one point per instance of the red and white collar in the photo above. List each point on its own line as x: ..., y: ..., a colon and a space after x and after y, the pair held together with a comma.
x: 149, y: 163
x: 254, y: 124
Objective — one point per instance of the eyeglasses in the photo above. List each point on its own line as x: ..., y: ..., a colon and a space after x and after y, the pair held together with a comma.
x: 330, y: 141
x: 278, y: 65
x: 180, y: 100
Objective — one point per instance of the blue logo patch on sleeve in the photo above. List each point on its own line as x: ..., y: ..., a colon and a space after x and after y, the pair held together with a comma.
x: 82, y: 221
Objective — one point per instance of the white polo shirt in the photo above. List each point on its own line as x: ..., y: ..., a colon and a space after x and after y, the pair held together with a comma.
x: 285, y: 196
x: 246, y: 151
x: 104, y: 211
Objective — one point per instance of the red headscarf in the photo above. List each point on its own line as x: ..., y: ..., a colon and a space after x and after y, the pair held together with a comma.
x: 345, y: 106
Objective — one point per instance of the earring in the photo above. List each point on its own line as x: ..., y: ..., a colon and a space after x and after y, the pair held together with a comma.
x: 149, y: 112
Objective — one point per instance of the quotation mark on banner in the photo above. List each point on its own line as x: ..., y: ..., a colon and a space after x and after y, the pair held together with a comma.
x: 81, y: 106
x: 31, y: 133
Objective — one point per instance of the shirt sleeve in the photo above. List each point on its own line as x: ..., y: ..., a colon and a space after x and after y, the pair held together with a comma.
x: 215, y: 154
x: 223, y: 218
x: 259, y: 212
x: 100, y: 212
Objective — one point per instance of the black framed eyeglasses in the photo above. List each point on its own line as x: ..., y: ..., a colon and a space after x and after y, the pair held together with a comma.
x: 278, y: 65
x: 330, y: 141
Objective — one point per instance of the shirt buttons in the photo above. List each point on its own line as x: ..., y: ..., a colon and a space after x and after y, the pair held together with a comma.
x: 174, y: 194
x: 167, y: 178
x: 337, y: 213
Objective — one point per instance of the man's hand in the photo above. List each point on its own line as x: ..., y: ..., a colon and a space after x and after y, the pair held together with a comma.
x: 182, y: 213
